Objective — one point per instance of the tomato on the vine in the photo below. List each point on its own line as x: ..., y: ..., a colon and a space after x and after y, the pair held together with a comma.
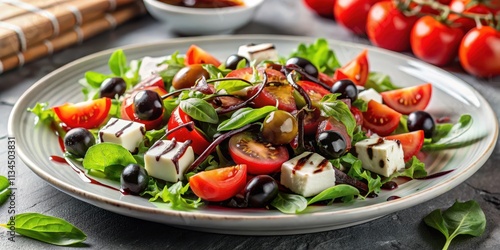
x: 380, y: 119
x: 407, y: 100
x: 219, y: 184
x: 198, y: 139
x: 321, y: 7
x: 434, y: 41
x: 411, y: 142
x: 388, y: 28
x: 260, y: 157
x: 89, y: 114
x: 197, y: 55
x: 357, y: 70
x: 479, y: 54
x: 352, y: 14
x: 471, y: 7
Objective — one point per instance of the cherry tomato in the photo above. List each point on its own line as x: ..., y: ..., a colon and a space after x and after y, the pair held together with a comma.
x: 260, y: 157
x: 357, y: 69
x: 313, y: 90
x: 89, y: 114
x: 219, y: 184
x: 352, y: 14
x: 434, y: 41
x: 196, y: 55
x: 412, y: 142
x: 388, y: 28
x: 198, y: 139
x: 358, y: 115
x: 127, y: 111
x: 408, y: 99
x: 380, y: 119
x: 321, y: 7
x: 471, y: 7
x: 479, y: 54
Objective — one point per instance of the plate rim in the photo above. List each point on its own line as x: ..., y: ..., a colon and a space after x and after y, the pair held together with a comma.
x: 404, y: 202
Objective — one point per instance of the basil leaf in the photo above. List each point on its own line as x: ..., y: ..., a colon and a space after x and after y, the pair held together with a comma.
x: 331, y: 193
x: 231, y: 87
x: 4, y: 189
x: 173, y: 196
x: 461, y: 218
x: 118, y: 62
x: 214, y: 72
x: 95, y: 79
x: 107, y: 158
x: 289, y: 203
x: 331, y: 107
x: 319, y: 54
x: 200, y: 110
x: 47, y: 229
x: 360, y: 104
x: 379, y: 82
x: 245, y: 116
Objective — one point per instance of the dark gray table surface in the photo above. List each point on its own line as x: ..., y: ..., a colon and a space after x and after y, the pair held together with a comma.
x: 106, y: 230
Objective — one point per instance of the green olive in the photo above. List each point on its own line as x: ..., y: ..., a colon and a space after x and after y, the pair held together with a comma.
x: 187, y: 76
x: 279, y: 127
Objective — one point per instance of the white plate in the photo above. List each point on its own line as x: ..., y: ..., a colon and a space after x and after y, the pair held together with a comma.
x: 451, y: 97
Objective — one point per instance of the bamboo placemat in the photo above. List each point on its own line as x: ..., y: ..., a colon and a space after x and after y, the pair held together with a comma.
x: 31, y: 29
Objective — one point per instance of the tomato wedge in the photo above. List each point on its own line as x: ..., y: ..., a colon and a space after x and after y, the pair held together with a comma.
x: 357, y: 70
x: 196, y: 55
x: 313, y: 90
x: 260, y: 157
x: 380, y: 119
x: 199, y: 141
x: 219, y: 184
x: 412, y: 142
x: 89, y: 114
x: 127, y: 109
x: 408, y: 99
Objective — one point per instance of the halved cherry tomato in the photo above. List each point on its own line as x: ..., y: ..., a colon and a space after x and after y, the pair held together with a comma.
x: 260, y: 157
x: 407, y: 100
x: 326, y: 79
x: 380, y: 119
x: 338, y: 75
x: 219, y: 184
x: 358, y: 115
x: 127, y: 109
x: 89, y: 114
x: 412, y: 142
x: 313, y: 90
x: 357, y: 70
x: 196, y: 55
x: 199, y: 141
x: 150, y: 81
x: 280, y: 92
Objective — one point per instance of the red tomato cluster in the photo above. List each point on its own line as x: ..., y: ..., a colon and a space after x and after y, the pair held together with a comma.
x: 431, y: 34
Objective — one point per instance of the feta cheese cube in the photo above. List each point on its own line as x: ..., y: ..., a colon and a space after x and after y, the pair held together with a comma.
x: 370, y: 94
x: 169, y: 159
x: 307, y: 174
x: 129, y: 134
x: 258, y: 52
x: 381, y: 156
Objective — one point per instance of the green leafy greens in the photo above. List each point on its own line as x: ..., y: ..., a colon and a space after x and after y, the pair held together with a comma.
x: 319, y: 54
x: 108, y: 158
x: 46, y: 228
x: 4, y: 189
x: 461, y: 218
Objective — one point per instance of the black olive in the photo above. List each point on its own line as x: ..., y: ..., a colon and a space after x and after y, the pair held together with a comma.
x: 78, y: 140
x: 112, y: 87
x: 331, y: 144
x: 134, y: 179
x: 233, y: 60
x: 305, y: 64
x: 148, y: 105
x: 421, y: 120
x: 346, y: 88
x: 260, y: 191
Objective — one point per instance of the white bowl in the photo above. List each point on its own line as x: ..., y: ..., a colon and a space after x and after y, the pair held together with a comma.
x: 203, y: 21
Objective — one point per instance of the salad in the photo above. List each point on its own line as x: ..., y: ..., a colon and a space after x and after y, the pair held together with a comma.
x: 255, y: 130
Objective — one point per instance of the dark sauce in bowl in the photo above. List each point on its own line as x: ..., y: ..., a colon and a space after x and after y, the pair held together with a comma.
x: 204, y: 3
